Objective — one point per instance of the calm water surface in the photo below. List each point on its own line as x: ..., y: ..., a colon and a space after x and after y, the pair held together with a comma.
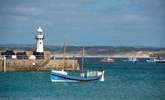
x: 123, y: 81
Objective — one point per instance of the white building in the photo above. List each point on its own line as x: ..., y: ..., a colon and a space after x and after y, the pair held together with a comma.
x: 39, y: 43
x: 40, y: 40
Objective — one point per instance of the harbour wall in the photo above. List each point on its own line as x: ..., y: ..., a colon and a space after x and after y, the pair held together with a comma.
x: 37, y: 65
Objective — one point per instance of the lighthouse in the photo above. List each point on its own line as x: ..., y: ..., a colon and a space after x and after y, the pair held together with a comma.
x: 39, y: 43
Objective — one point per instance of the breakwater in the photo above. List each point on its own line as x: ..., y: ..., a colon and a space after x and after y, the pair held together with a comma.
x: 37, y: 65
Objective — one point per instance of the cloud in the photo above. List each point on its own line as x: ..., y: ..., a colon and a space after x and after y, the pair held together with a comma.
x: 99, y: 18
x: 110, y: 5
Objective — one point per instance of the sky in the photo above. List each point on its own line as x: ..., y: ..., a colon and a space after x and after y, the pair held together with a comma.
x: 84, y: 22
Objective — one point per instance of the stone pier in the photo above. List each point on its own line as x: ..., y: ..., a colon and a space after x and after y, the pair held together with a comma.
x: 38, y: 65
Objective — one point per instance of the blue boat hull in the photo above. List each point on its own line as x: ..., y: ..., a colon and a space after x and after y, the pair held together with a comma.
x: 57, y: 77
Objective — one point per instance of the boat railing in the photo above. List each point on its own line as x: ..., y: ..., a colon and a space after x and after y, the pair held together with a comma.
x: 90, y: 74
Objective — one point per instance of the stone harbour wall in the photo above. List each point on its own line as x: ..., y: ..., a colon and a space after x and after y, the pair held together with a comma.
x: 37, y: 65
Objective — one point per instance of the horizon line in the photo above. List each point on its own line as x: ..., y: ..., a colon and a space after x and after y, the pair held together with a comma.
x: 86, y: 45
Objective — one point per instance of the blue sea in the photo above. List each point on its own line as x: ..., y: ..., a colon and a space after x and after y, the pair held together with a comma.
x: 123, y: 81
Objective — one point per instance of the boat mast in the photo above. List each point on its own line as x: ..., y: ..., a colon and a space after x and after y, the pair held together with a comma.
x: 82, y: 60
x: 64, y: 56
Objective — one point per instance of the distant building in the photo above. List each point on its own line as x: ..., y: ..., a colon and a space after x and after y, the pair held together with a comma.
x: 21, y: 55
x: 8, y: 54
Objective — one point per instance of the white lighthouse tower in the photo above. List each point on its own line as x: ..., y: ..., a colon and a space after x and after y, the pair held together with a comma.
x: 39, y: 43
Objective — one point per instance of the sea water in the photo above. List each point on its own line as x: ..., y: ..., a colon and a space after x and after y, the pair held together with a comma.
x: 123, y: 81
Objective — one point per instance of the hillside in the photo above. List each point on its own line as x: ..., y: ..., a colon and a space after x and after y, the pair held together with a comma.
x: 93, y: 50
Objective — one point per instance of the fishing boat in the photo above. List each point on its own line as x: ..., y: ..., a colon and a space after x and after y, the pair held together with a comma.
x: 132, y: 60
x: 160, y: 61
x: 151, y: 60
x: 63, y: 76
x: 107, y: 60
x: 155, y: 60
